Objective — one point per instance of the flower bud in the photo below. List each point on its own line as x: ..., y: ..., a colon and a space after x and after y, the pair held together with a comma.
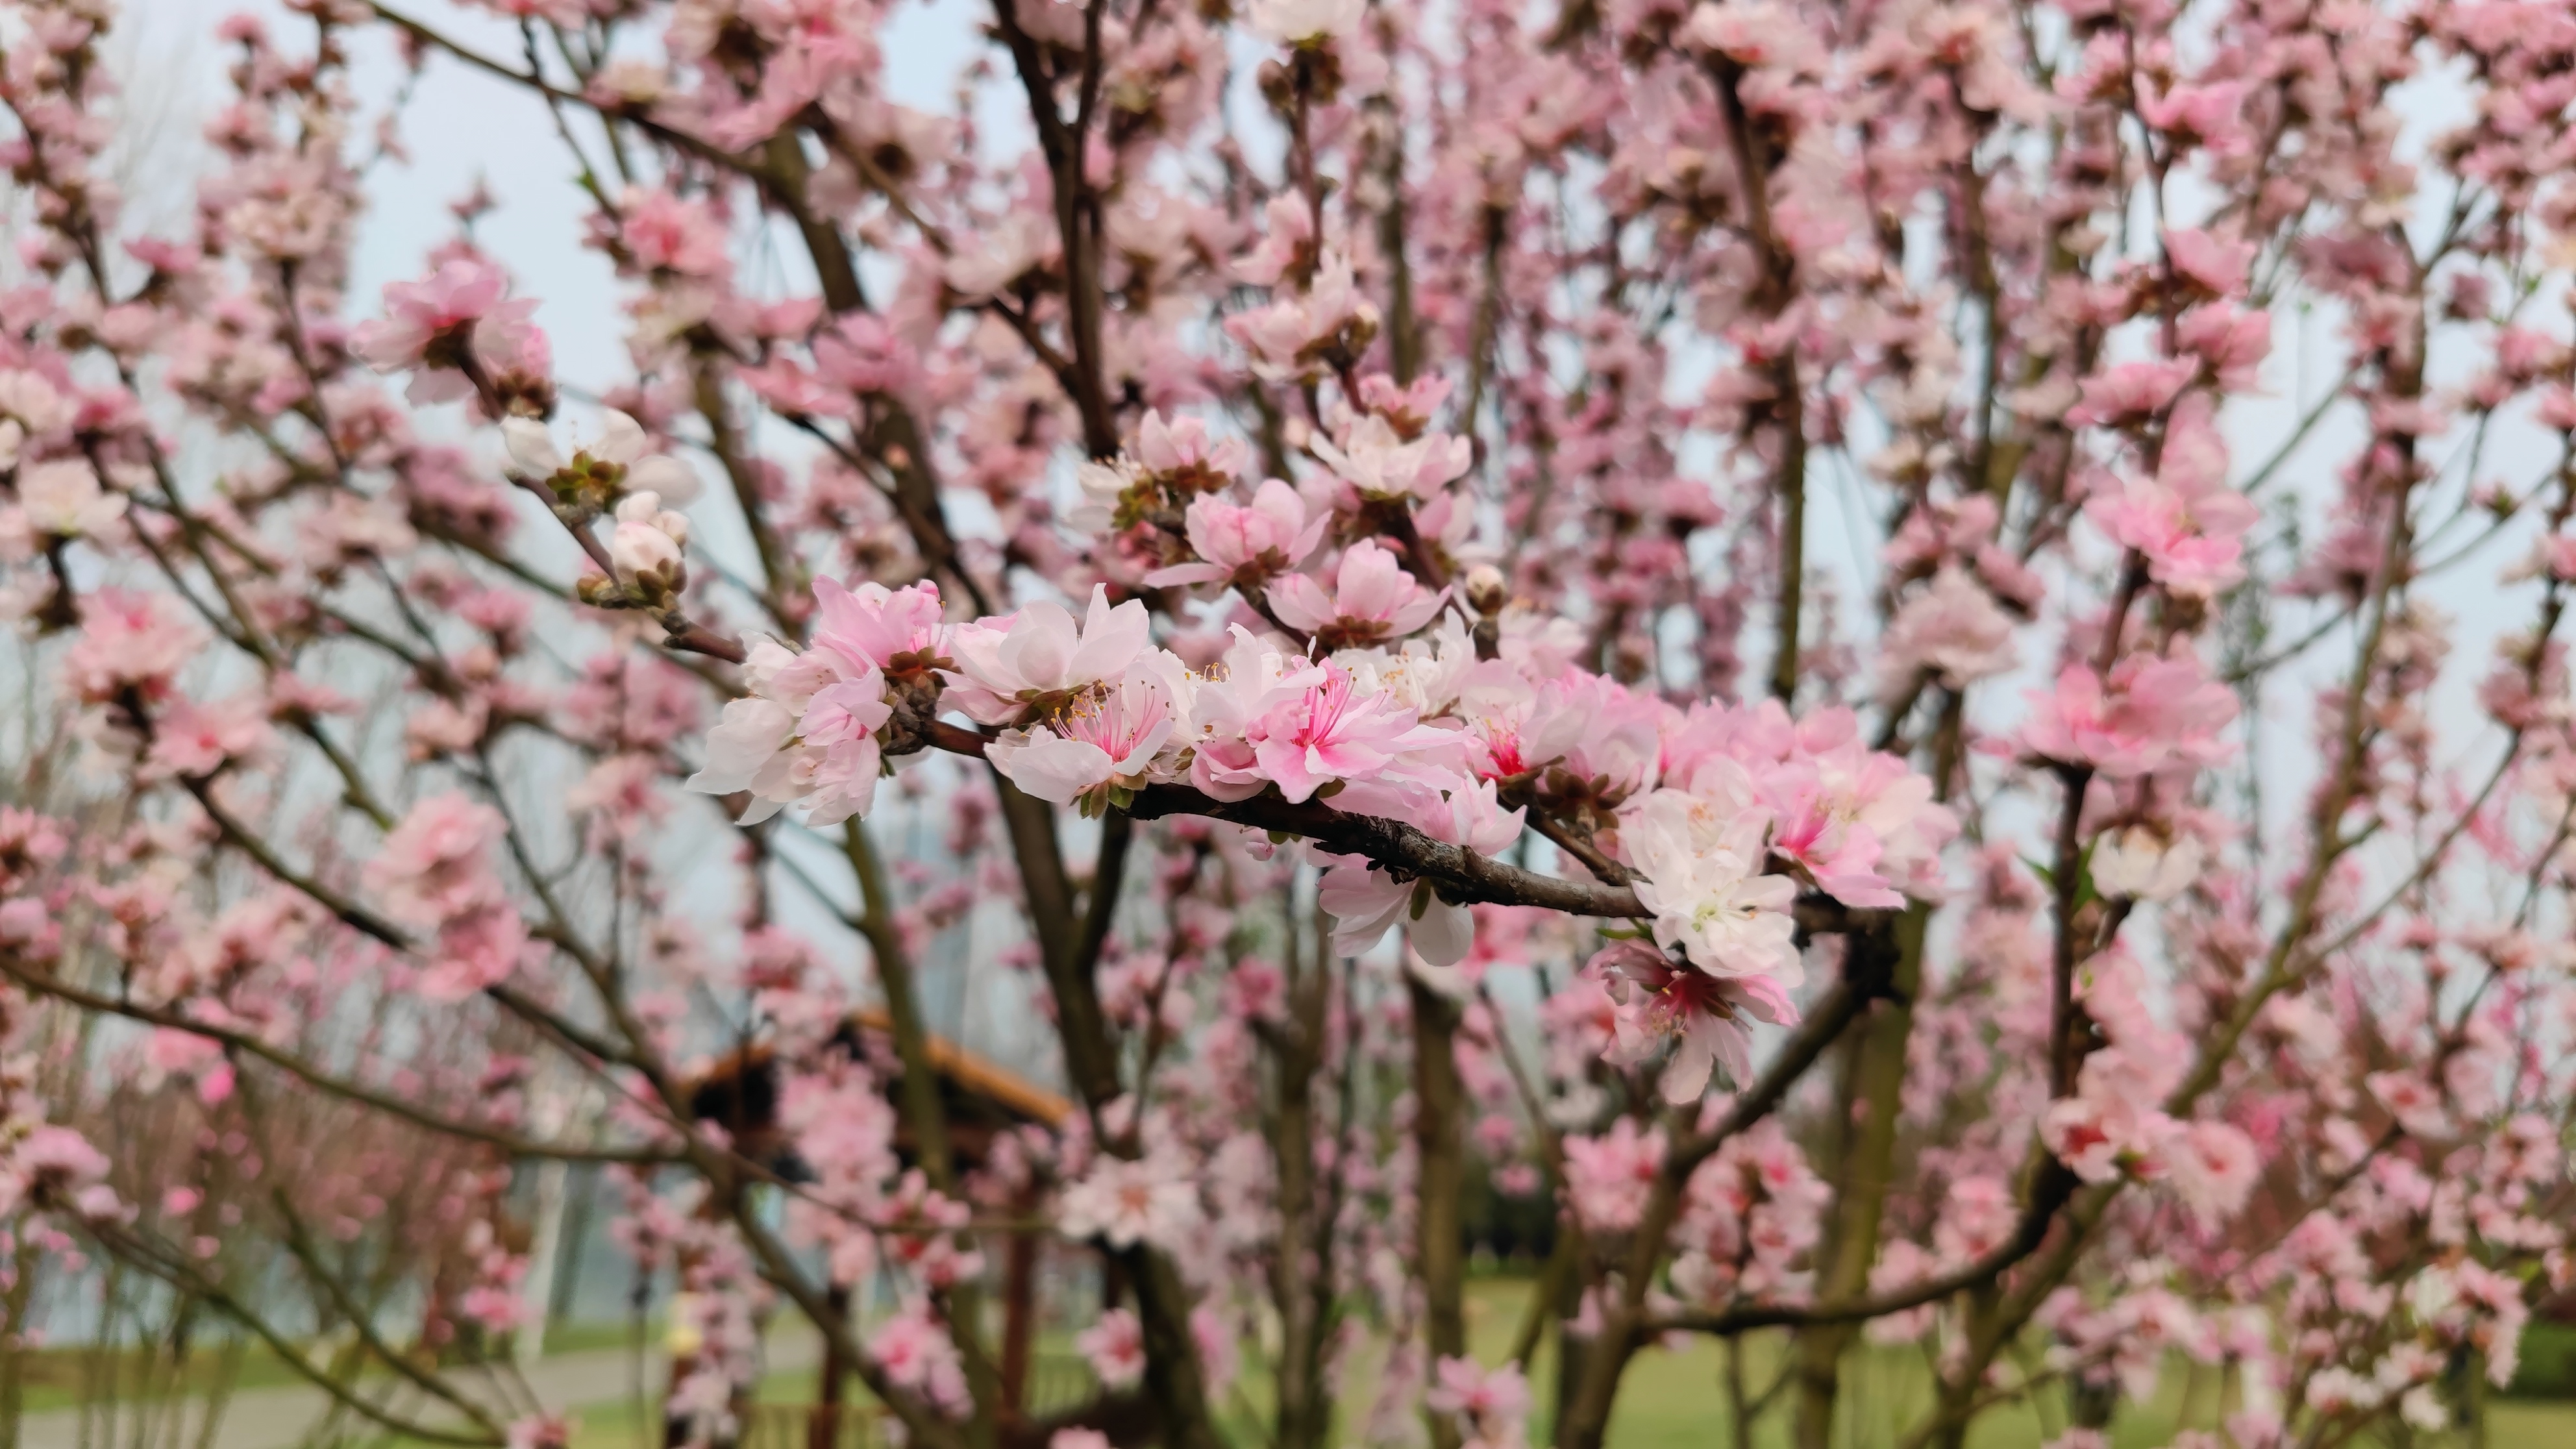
x: 1487, y: 589
x: 647, y: 559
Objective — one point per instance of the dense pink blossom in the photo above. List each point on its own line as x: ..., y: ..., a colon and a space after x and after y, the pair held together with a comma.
x: 1710, y: 620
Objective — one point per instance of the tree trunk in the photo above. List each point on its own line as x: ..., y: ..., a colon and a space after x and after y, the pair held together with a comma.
x: 1871, y: 1105
x: 1438, y: 1107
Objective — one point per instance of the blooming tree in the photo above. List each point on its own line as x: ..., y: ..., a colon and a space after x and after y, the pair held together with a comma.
x: 1332, y: 506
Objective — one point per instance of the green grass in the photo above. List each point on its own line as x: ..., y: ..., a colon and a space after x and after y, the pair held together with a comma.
x: 65, y: 1377
x: 1670, y: 1399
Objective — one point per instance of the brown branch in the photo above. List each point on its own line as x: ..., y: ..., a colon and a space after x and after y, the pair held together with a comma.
x: 315, y: 1077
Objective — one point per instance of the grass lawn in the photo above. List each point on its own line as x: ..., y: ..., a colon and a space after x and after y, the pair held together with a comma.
x: 1671, y: 1399
x: 1677, y: 1399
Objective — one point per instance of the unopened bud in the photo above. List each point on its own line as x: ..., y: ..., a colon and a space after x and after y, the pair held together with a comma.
x: 597, y: 590
x: 1487, y: 589
x: 647, y: 559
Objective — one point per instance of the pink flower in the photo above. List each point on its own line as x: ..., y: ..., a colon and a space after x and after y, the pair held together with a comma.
x: 2415, y: 1104
x: 1101, y: 742
x: 842, y: 757
x: 1373, y: 598
x: 1024, y: 664
x: 1182, y: 451
x: 2112, y: 1124
x: 1953, y: 631
x: 1659, y: 1000
x: 1608, y: 1178
x: 129, y: 640
x: 915, y: 1353
x: 1327, y: 731
x: 1365, y: 901
x: 1291, y: 336
x: 193, y: 740
x: 2129, y: 393
x: 1376, y: 460
x: 1244, y: 545
x: 1115, y: 1347
x: 436, y: 864
x: 473, y: 952
x: 2213, y: 115
x: 2211, y: 1167
x: 1125, y: 1203
x: 1489, y: 1405
x: 49, y: 1166
x: 2158, y: 713
x: 2187, y: 522
x: 1581, y: 737
x: 2215, y: 266
x: 429, y: 325
x: 873, y: 626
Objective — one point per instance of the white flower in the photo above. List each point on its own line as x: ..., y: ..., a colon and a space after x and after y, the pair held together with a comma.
x: 64, y: 498
x: 1295, y: 22
x: 1699, y: 880
x: 1126, y: 1203
x: 1104, y: 487
x: 531, y: 447
x: 1021, y: 244
x: 621, y: 442
x: 2137, y: 863
x: 742, y: 744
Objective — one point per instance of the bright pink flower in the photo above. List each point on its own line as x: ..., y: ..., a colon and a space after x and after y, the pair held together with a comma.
x: 1327, y: 731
